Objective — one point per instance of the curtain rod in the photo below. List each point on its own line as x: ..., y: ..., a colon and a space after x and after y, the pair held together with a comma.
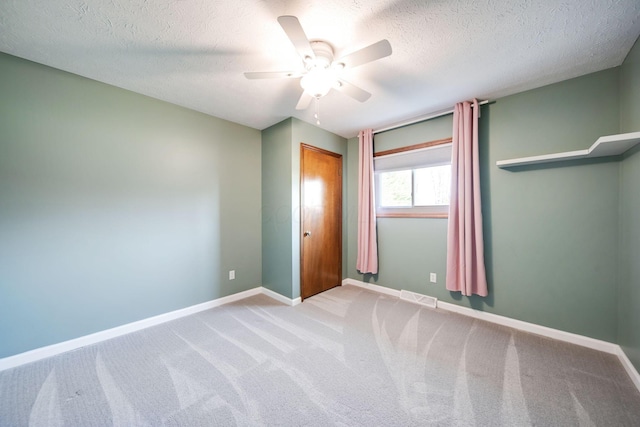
x: 421, y: 119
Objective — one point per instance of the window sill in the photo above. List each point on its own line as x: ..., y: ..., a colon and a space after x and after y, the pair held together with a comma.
x: 413, y: 215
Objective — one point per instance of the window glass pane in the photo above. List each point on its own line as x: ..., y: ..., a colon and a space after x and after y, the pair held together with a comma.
x: 395, y: 188
x: 432, y: 185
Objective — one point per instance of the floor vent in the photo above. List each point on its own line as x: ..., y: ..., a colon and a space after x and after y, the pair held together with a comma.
x: 419, y: 298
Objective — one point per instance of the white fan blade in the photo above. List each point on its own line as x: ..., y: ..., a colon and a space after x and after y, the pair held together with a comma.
x: 353, y: 91
x: 367, y: 54
x: 271, y: 74
x: 305, y: 100
x: 292, y: 27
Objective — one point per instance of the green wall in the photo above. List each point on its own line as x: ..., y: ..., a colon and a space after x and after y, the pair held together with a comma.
x: 550, y: 231
x: 281, y: 200
x: 629, y: 296
x: 277, y: 267
x: 115, y: 207
x: 630, y: 91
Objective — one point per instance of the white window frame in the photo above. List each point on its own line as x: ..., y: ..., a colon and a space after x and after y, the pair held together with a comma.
x: 436, y: 155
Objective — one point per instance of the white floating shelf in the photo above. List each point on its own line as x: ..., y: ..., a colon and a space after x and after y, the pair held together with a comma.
x: 611, y: 145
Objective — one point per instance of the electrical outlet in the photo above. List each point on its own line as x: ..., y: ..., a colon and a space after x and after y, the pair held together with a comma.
x: 232, y: 274
x: 432, y: 277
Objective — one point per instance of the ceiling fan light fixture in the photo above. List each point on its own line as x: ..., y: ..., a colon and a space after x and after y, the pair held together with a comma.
x: 318, y: 82
x: 320, y: 72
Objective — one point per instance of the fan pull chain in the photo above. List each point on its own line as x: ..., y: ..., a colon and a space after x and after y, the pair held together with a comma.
x: 317, y: 114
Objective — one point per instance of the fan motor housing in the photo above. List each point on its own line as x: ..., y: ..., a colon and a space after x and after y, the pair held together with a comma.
x: 323, y: 52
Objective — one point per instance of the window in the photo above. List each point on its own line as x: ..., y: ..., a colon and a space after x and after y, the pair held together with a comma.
x: 432, y: 186
x: 414, y: 182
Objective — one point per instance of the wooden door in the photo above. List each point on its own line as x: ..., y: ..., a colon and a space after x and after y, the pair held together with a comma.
x: 321, y: 220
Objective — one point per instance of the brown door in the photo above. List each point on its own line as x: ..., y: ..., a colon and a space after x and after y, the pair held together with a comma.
x: 321, y: 215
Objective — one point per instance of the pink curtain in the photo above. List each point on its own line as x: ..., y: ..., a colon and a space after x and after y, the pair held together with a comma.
x: 367, y: 261
x: 465, y: 251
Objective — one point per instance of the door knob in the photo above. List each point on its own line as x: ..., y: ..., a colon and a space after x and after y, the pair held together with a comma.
x: 307, y: 233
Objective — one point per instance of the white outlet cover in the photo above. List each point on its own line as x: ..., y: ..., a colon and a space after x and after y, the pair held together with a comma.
x: 432, y: 277
x: 232, y: 274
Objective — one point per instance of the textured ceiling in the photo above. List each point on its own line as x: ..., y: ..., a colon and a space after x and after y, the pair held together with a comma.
x: 194, y: 52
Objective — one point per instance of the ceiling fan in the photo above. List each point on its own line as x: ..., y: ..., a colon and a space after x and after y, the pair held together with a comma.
x: 321, y: 71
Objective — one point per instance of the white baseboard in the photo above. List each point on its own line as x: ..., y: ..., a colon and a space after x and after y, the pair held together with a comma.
x: 281, y: 298
x: 544, y: 331
x: 73, y: 344
x: 372, y: 287
x: 628, y: 366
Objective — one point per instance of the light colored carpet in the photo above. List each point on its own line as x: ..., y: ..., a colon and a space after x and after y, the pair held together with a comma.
x: 344, y: 357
